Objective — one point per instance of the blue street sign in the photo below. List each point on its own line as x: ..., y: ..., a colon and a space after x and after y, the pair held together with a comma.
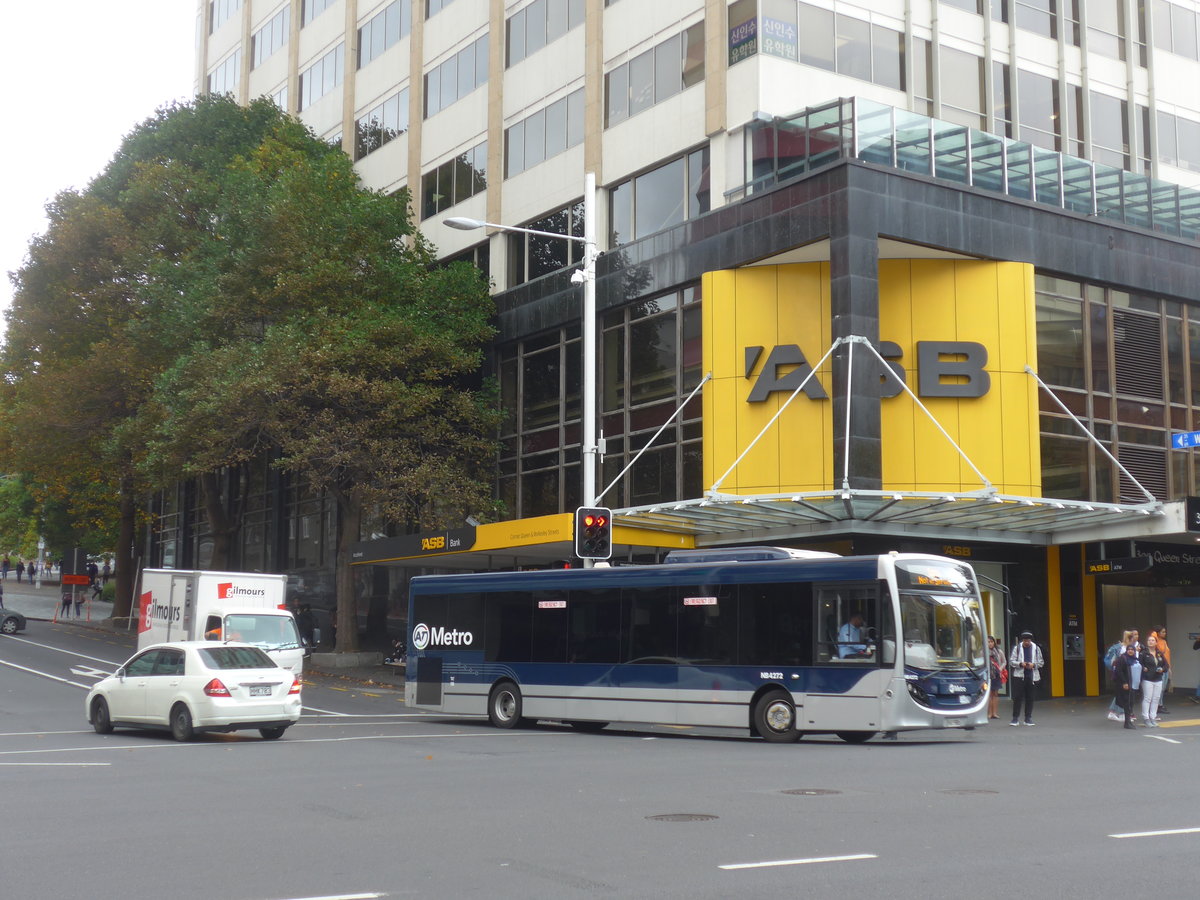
x: 1183, y: 439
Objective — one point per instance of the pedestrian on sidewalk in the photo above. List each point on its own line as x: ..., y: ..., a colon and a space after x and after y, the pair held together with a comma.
x: 996, y: 658
x: 1026, y: 663
x: 1127, y: 673
x: 5, y: 565
x: 20, y: 569
x: 1, y: 595
x: 1165, y: 650
x: 1154, y: 672
x: 79, y: 598
x: 1110, y: 660
x: 66, y: 604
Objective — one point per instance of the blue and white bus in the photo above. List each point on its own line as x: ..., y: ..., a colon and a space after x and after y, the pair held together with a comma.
x: 781, y: 642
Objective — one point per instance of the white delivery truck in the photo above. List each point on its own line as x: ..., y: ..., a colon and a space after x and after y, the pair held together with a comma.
x: 177, y: 605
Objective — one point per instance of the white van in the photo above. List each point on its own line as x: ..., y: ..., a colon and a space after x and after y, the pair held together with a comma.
x: 177, y: 605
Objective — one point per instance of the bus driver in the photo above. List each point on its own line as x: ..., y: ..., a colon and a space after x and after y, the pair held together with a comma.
x: 850, y: 636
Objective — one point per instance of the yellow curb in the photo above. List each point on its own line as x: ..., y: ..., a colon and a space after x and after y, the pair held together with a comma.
x: 1179, y: 723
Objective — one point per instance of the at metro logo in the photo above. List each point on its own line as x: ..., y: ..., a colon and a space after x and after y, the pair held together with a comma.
x: 962, y: 362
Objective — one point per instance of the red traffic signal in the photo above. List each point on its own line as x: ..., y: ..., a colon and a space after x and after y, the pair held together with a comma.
x: 593, y: 532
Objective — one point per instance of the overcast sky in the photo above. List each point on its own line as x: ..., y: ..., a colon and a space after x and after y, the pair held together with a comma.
x: 77, y: 76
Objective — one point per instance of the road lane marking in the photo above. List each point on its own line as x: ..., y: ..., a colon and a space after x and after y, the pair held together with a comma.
x: 371, y: 896
x: 799, y: 862
x: 107, y: 662
x: 325, y: 712
x: 165, y: 745
x: 1159, y: 737
x: 11, y: 665
x: 1137, y: 834
x: 55, y: 765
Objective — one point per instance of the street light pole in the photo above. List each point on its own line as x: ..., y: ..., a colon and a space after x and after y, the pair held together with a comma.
x: 589, y: 450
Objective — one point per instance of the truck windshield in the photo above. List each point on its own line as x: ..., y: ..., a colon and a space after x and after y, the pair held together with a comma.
x: 941, y: 631
x: 270, y: 632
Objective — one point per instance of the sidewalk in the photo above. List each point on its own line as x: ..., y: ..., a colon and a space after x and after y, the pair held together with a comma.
x: 43, y: 603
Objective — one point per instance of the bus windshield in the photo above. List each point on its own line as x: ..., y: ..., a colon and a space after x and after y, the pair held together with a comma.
x: 942, y: 632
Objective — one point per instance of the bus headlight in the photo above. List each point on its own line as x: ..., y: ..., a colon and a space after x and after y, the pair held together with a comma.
x: 917, y: 694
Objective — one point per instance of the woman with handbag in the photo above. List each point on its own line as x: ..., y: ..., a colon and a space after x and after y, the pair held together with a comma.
x: 999, y: 677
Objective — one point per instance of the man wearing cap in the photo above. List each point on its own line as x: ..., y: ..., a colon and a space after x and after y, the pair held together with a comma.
x: 1026, y: 664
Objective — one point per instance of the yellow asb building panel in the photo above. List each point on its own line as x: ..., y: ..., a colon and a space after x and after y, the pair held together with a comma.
x: 969, y: 324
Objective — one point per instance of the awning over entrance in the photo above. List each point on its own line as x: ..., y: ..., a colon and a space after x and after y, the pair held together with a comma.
x: 724, y: 520
x: 980, y: 516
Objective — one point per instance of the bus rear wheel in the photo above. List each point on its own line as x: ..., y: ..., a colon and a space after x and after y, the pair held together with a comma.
x: 504, y: 705
x: 775, y: 717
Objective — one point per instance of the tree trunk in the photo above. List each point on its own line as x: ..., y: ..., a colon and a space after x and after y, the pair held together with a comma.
x: 350, y: 513
x: 220, y: 526
x: 127, y: 560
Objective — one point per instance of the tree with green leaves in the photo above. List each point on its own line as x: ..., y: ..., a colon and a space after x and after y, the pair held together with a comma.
x: 226, y: 289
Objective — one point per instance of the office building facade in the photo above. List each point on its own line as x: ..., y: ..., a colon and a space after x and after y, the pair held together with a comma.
x: 988, y: 209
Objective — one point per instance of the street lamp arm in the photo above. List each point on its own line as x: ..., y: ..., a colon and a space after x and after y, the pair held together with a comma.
x: 464, y: 224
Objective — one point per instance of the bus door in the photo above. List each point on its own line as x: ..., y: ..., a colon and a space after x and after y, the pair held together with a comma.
x: 646, y: 681
x: 849, y: 678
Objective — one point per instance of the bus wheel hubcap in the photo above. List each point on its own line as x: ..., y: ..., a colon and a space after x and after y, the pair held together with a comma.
x: 779, y: 717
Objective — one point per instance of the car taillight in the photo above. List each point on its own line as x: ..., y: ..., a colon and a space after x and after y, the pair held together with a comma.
x: 295, y: 688
x: 215, y: 689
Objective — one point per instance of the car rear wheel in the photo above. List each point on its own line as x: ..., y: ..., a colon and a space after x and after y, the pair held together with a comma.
x: 504, y: 705
x: 181, y: 723
x: 101, y: 721
x: 272, y: 734
x: 775, y: 718
x: 10, y: 625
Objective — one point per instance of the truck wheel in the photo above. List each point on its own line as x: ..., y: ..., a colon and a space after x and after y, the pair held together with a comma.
x: 181, y: 723
x: 775, y: 717
x: 101, y: 721
x: 504, y: 705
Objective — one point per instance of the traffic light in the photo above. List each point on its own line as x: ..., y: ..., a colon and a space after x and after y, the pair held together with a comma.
x: 593, y: 532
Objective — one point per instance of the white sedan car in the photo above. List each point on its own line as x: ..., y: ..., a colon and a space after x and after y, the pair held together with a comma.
x: 193, y: 686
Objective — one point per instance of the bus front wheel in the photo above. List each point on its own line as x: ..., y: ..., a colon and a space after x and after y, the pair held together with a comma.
x: 775, y: 717
x: 504, y: 705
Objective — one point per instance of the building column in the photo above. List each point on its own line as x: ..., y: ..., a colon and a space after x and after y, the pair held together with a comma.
x: 854, y: 295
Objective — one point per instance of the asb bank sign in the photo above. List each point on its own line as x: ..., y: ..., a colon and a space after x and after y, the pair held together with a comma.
x: 957, y: 333
x: 424, y: 637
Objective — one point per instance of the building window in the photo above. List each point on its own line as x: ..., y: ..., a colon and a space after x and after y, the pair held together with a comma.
x: 1179, y: 142
x: 743, y: 30
x: 312, y: 9
x: 269, y: 38
x: 479, y: 256
x: 544, y: 134
x: 380, y: 125
x: 1110, y: 131
x: 655, y: 75
x: 531, y: 256
x: 456, y: 77
x: 219, y: 11
x: 1106, y: 28
x: 963, y: 89
x: 1175, y: 29
x: 454, y: 181
x: 322, y: 76
x: 433, y: 7
x: 539, y: 24
x: 1039, y: 113
x: 225, y: 76
x: 280, y: 98
x: 384, y: 30
x: 658, y: 199
x: 651, y: 360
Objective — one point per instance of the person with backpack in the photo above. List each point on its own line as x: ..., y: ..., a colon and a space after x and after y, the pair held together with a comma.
x: 1127, y: 675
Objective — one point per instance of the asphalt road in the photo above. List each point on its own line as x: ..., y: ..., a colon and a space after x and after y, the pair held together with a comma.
x: 363, y: 799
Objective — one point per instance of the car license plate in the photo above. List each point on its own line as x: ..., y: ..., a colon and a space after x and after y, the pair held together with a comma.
x: 953, y: 723
x: 260, y: 690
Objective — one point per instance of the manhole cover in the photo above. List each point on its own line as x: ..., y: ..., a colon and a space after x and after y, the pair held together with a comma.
x: 810, y: 792
x: 682, y: 817
x: 966, y: 791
